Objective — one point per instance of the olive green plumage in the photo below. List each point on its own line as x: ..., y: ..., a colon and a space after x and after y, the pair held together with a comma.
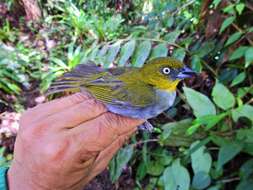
x: 136, y: 92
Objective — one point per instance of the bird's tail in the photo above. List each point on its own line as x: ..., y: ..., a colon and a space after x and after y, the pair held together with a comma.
x: 74, y: 80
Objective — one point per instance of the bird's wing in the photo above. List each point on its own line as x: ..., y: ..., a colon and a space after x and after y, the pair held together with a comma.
x: 136, y: 95
x: 105, y: 85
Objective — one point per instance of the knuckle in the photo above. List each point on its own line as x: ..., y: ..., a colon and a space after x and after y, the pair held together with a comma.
x: 53, y: 151
x: 94, y: 105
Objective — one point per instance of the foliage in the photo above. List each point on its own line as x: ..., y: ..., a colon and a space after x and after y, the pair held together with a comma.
x: 205, y: 140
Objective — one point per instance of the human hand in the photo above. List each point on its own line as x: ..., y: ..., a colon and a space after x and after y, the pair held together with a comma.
x: 64, y: 143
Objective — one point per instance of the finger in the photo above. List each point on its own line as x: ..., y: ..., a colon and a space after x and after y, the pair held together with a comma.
x: 75, y: 115
x: 105, y: 156
x: 49, y: 108
x: 97, y: 134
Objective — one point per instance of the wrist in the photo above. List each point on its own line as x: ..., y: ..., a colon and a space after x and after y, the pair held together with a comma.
x: 18, y: 179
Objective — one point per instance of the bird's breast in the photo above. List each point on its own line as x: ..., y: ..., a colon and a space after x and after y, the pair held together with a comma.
x: 164, y: 100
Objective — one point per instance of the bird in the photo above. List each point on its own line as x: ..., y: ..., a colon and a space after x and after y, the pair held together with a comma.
x: 141, y: 93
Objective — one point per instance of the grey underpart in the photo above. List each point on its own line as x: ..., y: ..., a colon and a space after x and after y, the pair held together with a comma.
x: 146, y: 126
x: 163, y: 101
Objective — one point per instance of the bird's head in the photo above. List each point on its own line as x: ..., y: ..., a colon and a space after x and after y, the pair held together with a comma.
x: 165, y: 73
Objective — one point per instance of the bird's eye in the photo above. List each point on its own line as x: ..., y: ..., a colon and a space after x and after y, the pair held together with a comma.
x: 166, y: 70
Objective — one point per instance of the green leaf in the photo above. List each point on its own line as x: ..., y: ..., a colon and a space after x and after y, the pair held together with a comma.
x: 141, y: 53
x: 119, y: 162
x: 111, y: 54
x: 172, y: 36
x: 227, y: 152
x: 246, y: 170
x: 233, y: 38
x: 226, y: 23
x: 222, y: 96
x: 245, y: 185
x: 238, y: 53
x: 200, y: 103
x: 201, y: 160
x: 205, y: 48
x: 248, y: 56
x: 155, y: 168
x: 243, y: 111
x: 196, y: 63
x: 176, y: 177
x: 238, y: 79
x: 169, y: 22
x: 179, y: 54
x: 201, y: 180
x: 174, y: 127
x: 159, y: 50
x: 240, y: 7
x: 216, y: 3
x: 141, y: 171
x: 126, y: 52
x: 208, y: 120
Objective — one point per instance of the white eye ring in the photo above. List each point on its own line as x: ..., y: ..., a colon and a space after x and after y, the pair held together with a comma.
x: 166, y: 70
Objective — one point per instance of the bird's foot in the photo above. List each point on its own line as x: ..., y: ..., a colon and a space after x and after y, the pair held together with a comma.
x: 146, y: 126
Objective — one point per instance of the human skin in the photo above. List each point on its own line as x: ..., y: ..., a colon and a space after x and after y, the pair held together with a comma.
x: 65, y: 143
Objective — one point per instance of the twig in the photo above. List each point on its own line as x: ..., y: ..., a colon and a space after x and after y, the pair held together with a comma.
x: 242, y: 31
x: 229, y: 180
x: 182, y: 7
x: 142, y: 142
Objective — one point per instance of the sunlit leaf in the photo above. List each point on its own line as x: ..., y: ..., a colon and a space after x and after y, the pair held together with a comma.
x: 238, y: 79
x: 238, y: 53
x: 243, y: 111
x: 240, y: 7
x: 200, y: 103
x: 248, y: 56
x: 233, y: 38
x: 226, y: 23
x: 126, y: 52
x: 159, y: 50
x: 111, y: 54
x: 201, y: 160
x: 141, y: 53
x: 222, y: 96
x: 176, y: 177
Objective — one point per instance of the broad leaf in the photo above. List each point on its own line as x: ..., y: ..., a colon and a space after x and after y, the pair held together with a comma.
x: 226, y: 23
x: 233, y: 38
x: 243, y: 111
x: 238, y: 53
x: 201, y: 180
x: 160, y: 50
x: 248, y: 56
x: 200, y: 103
x: 227, y: 152
x: 119, y: 162
x: 200, y: 159
x: 179, y: 54
x: 176, y: 177
x: 238, y: 79
x: 111, y: 54
x: 172, y: 36
x: 126, y: 52
x: 141, y: 53
x: 222, y: 96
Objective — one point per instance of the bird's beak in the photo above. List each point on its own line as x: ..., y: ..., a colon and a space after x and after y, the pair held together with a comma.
x: 186, y: 72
